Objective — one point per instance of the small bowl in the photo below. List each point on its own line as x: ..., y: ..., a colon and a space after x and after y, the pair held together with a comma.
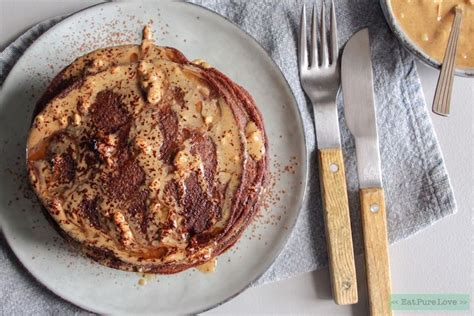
x: 411, y: 46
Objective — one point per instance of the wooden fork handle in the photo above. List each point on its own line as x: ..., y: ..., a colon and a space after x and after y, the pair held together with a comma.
x: 374, y: 225
x: 338, y: 226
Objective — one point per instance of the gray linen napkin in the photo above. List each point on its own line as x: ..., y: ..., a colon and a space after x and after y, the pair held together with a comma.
x: 417, y: 186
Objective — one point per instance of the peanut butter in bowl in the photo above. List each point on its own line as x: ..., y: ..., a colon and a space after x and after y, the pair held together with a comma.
x: 427, y: 23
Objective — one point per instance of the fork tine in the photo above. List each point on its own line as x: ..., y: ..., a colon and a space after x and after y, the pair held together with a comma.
x: 323, y: 36
x: 314, y: 39
x: 302, y: 51
x: 333, y: 39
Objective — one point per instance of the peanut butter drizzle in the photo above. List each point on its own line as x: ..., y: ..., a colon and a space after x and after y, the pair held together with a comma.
x: 208, y: 267
x: 255, y: 141
x: 199, y: 112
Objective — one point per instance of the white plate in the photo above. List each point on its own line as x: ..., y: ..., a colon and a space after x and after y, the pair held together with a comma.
x: 198, y: 33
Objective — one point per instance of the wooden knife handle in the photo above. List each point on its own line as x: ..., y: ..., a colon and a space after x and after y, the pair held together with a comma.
x: 374, y: 225
x: 338, y: 226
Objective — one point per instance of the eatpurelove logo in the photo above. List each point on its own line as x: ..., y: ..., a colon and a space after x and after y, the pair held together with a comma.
x: 430, y: 302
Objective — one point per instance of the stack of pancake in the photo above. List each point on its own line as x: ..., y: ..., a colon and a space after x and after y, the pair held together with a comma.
x: 146, y: 161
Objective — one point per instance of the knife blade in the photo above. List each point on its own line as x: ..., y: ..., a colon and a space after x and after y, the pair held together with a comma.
x: 359, y: 112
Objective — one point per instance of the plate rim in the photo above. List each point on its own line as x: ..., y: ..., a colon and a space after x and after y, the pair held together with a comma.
x: 304, y: 162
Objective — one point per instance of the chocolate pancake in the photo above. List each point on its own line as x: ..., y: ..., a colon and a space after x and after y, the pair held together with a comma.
x: 153, y: 165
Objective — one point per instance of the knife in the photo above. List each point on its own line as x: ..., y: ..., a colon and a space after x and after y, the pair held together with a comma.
x: 359, y: 112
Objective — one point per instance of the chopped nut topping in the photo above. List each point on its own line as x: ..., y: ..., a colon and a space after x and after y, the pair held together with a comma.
x: 154, y: 93
x: 150, y: 82
x: 202, y: 63
x: 97, y: 63
x: 114, y: 70
x: 177, y: 71
x: 33, y: 177
x: 255, y: 136
x: 147, y: 34
x: 77, y: 119
x: 204, y: 91
x: 208, y: 120
x: 124, y: 229
x: 182, y: 160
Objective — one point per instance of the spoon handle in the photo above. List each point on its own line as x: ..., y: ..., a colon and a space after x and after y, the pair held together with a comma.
x: 442, y: 98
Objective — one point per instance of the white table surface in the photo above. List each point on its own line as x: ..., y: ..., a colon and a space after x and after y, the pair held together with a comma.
x: 436, y: 260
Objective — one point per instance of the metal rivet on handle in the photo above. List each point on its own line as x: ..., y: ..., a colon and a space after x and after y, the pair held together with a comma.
x: 374, y: 208
x: 333, y: 167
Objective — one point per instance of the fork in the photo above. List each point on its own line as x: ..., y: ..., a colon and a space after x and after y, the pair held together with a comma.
x: 321, y: 80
